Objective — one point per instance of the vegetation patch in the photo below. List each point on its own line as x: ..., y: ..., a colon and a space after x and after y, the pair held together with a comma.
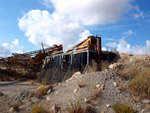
x: 123, y: 108
x: 140, y: 85
x: 38, y: 109
x: 76, y: 107
x: 42, y: 90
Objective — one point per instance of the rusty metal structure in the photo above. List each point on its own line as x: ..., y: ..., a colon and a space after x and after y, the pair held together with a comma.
x: 30, y: 61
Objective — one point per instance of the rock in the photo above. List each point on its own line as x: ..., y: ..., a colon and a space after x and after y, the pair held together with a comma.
x: 98, y: 85
x: 75, y: 90
x: 49, y: 91
x: 48, y: 98
x: 146, y: 101
x: 54, y: 109
x: 115, y: 84
x: 107, y: 105
x: 11, y: 109
x: 102, y: 87
x: 56, y: 93
x: 97, y: 107
x: 1, y: 94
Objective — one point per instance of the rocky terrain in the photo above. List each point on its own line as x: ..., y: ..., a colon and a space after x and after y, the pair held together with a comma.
x: 101, y: 90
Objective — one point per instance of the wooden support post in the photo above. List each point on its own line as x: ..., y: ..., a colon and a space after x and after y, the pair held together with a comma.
x: 99, y: 54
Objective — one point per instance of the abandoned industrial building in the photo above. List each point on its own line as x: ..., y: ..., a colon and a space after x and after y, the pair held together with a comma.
x: 56, y: 65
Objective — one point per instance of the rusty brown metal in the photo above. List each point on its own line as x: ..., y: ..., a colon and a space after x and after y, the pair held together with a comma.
x: 99, y: 54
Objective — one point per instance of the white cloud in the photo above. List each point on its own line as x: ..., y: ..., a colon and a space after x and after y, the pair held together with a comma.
x: 84, y: 35
x: 92, y: 12
x: 111, y: 44
x: 15, y: 42
x: 129, y: 32
x: 139, y: 15
x: 69, y: 20
x: 4, y: 50
x: 43, y: 27
x: 123, y: 47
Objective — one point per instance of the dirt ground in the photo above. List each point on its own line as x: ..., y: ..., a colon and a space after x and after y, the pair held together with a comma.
x: 106, y: 83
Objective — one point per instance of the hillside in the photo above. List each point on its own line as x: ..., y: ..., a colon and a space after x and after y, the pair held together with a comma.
x: 124, y: 82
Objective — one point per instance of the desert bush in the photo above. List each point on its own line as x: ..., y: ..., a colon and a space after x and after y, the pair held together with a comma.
x: 77, y: 108
x: 127, y: 72
x: 38, y: 109
x: 74, y: 107
x: 42, y: 90
x: 140, y: 85
x: 123, y: 108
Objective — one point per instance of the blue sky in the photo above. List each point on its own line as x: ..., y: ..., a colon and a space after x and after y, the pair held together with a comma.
x: 122, y: 24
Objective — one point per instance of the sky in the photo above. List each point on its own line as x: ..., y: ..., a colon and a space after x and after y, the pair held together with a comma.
x: 122, y: 24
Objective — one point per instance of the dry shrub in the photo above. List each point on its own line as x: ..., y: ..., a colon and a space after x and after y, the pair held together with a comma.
x: 81, y: 84
x: 123, y: 108
x: 127, y: 73
x: 42, y: 90
x: 77, y: 108
x: 38, y: 109
x: 140, y: 85
x: 74, y: 108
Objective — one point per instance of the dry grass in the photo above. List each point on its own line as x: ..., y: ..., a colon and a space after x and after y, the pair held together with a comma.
x: 78, y: 108
x: 74, y: 108
x: 140, y: 85
x: 42, y: 90
x: 123, y: 108
x: 38, y: 109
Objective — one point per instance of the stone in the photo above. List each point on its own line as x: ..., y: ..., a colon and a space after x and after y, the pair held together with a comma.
x: 56, y: 93
x: 48, y: 98
x: 11, y: 109
x: 102, y: 87
x: 107, y: 105
x: 97, y: 107
x: 146, y: 101
x: 1, y: 94
x: 54, y: 109
x: 98, y: 85
x: 75, y: 90
x: 49, y: 91
x: 115, y: 84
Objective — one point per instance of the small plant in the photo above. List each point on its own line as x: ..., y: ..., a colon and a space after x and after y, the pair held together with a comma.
x: 75, y: 108
x: 123, y: 108
x: 140, y: 85
x: 42, y: 90
x: 38, y: 109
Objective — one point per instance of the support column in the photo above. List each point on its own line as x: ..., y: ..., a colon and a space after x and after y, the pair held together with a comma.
x: 99, y: 54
